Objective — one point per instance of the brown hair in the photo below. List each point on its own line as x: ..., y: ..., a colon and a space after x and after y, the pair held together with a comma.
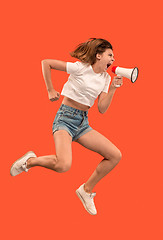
x: 86, y: 52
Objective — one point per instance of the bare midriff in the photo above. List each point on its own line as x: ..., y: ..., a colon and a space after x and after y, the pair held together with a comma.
x: 71, y: 103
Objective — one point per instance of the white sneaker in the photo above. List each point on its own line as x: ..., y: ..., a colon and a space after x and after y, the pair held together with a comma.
x: 87, y: 199
x: 20, y: 165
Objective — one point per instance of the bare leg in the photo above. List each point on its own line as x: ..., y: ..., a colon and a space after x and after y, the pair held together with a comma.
x: 104, y: 167
x: 61, y: 162
x: 44, y: 161
x: 100, y: 144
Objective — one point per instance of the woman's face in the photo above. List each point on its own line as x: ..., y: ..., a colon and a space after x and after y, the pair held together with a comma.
x: 105, y: 59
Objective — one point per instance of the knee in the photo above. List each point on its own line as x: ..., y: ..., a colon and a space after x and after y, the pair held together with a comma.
x: 117, y: 157
x: 63, y: 168
x: 63, y: 165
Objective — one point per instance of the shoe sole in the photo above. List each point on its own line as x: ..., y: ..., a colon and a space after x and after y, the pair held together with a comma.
x: 19, y: 160
x: 81, y: 198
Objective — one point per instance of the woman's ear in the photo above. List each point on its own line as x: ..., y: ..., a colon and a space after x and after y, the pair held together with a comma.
x: 98, y: 56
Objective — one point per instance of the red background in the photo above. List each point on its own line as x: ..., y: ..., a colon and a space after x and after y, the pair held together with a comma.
x: 42, y: 204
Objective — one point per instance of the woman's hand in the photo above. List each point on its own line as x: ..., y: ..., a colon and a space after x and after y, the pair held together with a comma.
x: 117, y: 80
x: 53, y: 95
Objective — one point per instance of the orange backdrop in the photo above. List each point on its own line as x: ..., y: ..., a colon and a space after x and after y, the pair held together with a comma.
x: 42, y: 204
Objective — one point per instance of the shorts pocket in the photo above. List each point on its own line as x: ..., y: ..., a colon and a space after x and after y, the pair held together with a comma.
x: 57, y: 117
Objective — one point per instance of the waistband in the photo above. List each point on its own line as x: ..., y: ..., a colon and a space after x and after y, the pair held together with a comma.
x: 74, y: 110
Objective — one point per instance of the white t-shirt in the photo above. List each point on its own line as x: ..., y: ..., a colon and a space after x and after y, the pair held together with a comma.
x: 84, y: 85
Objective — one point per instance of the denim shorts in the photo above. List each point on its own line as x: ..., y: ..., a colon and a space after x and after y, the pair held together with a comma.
x: 73, y: 120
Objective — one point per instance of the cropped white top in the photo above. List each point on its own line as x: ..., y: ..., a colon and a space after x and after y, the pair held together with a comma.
x: 84, y: 85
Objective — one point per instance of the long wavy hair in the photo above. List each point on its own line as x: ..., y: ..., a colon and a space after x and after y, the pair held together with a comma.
x: 86, y: 52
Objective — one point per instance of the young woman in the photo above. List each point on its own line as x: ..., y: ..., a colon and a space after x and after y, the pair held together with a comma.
x: 88, y: 80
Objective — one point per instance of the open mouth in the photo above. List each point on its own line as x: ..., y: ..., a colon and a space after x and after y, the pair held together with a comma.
x: 108, y: 65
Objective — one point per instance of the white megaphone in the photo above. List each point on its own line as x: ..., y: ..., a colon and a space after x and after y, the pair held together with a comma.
x: 130, y: 73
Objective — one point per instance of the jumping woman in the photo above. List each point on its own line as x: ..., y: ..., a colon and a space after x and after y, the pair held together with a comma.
x: 88, y: 80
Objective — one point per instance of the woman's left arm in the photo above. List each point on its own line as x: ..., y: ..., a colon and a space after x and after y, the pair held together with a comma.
x: 104, y: 99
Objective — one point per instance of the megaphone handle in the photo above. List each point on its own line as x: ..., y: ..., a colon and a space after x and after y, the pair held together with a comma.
x: 118, y: 85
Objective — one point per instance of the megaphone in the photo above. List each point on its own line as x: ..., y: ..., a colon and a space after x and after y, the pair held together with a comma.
x: 130, y: 73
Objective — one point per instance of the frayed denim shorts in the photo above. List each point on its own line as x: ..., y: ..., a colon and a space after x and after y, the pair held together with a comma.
x: 73, y: 120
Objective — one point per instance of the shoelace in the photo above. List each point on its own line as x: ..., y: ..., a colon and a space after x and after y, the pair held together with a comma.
x: 92, y: 195
x: 24, y: 166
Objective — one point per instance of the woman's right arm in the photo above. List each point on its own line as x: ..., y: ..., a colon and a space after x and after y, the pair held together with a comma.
x: 47, y: 65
